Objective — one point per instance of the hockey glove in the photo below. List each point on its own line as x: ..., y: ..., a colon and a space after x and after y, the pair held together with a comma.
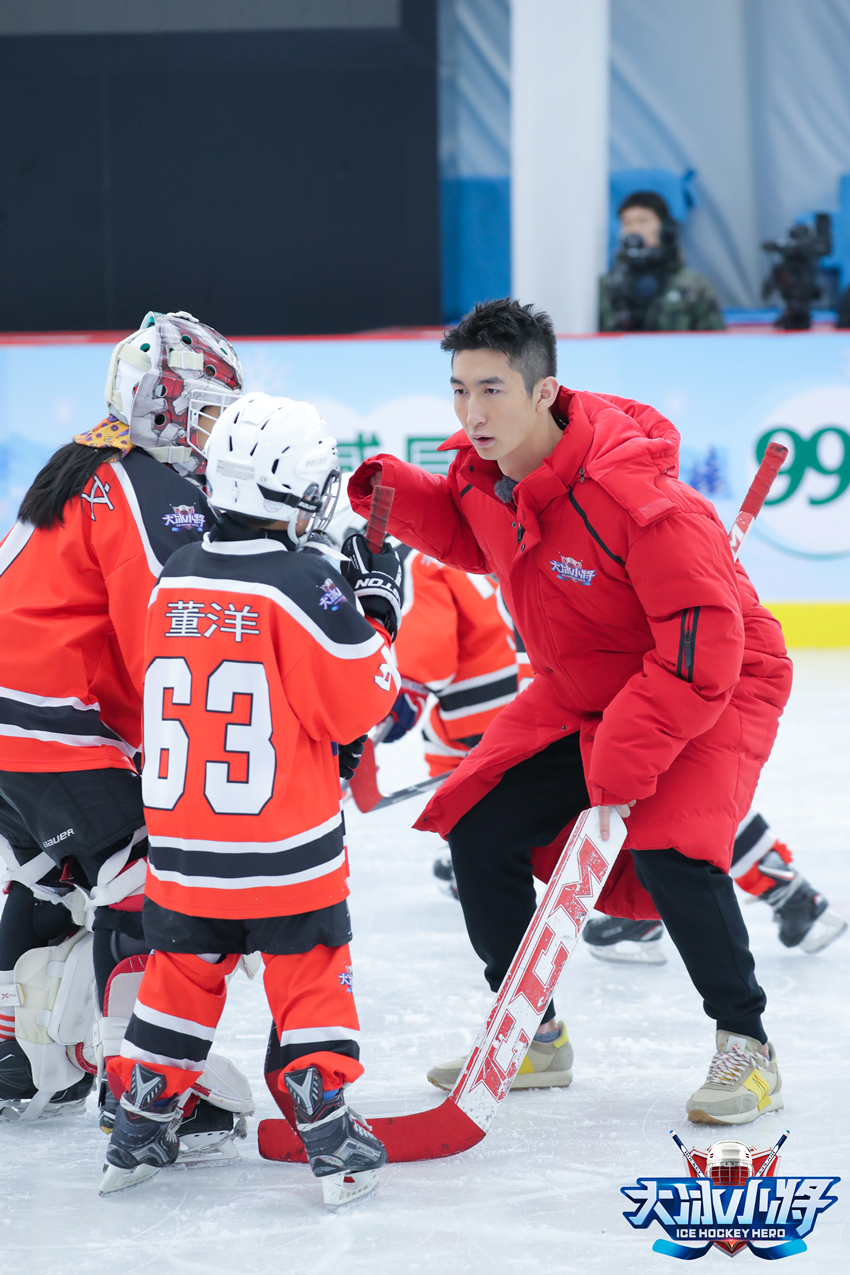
x: 407, y: 710
x: 376, y: 579
x: 349, y: 756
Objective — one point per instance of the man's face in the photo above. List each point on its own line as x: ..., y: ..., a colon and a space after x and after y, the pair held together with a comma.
x: 643, y: 222
x: 491, y: 402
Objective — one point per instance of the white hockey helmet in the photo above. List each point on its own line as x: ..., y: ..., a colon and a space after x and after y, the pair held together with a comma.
x: 274, y: 459
x: 729, y: 1163
x: 161, y: 377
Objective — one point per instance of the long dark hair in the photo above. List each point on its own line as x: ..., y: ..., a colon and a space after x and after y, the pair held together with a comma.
x: 64, y: 476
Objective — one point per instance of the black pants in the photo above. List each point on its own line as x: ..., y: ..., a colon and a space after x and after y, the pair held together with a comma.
x: 491, y: 853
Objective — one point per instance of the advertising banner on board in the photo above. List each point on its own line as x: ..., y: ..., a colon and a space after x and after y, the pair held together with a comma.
x: 729, y: 394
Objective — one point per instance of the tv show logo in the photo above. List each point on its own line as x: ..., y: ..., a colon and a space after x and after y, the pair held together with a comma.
x: 730, y: 1200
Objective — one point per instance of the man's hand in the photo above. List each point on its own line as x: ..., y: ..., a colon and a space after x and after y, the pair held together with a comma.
x: 605, y: 818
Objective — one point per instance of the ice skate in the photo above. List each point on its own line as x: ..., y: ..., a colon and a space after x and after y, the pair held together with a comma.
x: 144, y: 1138
x: 341, y: 1148
x: 445, y: 874
x: 613, y: 938
x: 742, y: 1083
x: 17, y: 1087
x: 207, y: 1135
x: 546, y: 1065
x: 802, y: 914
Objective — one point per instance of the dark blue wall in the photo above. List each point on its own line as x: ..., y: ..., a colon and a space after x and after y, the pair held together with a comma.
x: 280, y: 182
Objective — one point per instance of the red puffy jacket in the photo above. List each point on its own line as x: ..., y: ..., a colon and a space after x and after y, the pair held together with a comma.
x: 644, y: 634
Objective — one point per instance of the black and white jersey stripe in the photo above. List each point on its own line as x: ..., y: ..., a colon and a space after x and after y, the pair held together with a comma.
x: 56, y: 720
x: 249, y: 865
x: 478, y: 694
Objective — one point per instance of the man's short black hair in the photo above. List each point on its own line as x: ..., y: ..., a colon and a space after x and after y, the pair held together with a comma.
x: 646, y: 199
x: 522, y: 333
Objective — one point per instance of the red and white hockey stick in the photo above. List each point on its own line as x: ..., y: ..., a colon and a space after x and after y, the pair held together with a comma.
x: 774, y: 456
x: 462, y: 1119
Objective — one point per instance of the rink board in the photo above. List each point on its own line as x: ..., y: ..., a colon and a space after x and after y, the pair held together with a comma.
x: 726, y: 392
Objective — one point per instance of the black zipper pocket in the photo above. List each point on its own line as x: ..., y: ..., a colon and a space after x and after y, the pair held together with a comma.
x: 687, y: 644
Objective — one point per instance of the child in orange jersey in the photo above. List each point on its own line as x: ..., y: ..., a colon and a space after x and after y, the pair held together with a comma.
x: 259, y: 655
x: 76, y: 571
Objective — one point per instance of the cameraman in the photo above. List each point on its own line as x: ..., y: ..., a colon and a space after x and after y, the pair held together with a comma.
x: 650, y: 289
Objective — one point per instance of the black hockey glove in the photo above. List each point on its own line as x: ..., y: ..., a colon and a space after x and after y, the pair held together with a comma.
x: 349, y: 756
x: 376, y: 579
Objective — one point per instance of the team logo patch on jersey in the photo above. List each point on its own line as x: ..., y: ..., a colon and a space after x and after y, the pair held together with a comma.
x: 346, y: 979
x: 332, y: 596
x: 569, y: 569
x: 97, y: 494
x: 184, y: 517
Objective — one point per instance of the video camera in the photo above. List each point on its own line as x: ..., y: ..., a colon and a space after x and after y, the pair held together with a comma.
x: 793, y: 275
x: 638, y: 276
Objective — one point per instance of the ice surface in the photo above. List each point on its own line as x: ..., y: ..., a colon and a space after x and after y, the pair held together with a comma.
x: 542, y: 1190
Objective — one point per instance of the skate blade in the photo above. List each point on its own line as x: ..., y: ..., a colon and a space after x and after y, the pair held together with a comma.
x: 219, y: 1154
x: 827, y: 928
x: 60, y: 1108
x: 630, y: 952
x: 115, y: 1179
x: 15, y: 1109
x: 340, y: 1189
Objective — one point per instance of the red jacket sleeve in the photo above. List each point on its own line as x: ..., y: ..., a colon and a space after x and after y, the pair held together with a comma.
x: 684, y: 576
x: 425, y: 511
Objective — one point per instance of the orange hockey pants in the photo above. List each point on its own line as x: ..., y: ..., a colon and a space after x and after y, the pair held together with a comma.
x: 181, y: 999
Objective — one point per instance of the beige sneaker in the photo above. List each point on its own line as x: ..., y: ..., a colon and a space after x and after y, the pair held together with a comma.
x: 742, y: 1084
x: 543, y: 1067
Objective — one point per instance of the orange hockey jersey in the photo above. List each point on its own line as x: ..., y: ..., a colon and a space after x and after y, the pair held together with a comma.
x: 257, y: 659
x: 73, y: 602
x: 456, y: 638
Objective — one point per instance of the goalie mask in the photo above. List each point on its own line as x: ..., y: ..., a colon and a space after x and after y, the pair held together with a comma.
x: 729, y: 1163
x: 162, y: 377
x: 275, y: 460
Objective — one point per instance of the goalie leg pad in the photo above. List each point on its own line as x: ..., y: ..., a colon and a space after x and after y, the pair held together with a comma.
x: 54, y: 1016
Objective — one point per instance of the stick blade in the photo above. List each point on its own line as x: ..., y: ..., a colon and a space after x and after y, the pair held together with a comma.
x: 423, y: 1135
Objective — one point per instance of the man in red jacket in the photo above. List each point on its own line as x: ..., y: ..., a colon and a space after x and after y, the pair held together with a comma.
x: 660, y: 679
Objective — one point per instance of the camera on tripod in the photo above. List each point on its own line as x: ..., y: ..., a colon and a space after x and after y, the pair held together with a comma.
x: 637, y: 279
x: 794, y: 275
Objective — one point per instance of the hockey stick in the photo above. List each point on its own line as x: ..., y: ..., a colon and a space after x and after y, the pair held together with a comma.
x: 464, y: 1117
x: 686, y: 1153
x: 363, y: 784
x: 379, y: 516
x: 771, y: 1157
x: 774, y: 457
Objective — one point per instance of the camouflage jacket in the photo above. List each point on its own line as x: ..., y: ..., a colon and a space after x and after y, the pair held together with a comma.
x: 687, y: 304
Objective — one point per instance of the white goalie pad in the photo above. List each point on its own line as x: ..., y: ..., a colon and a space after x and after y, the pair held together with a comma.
x: 55, y: 1011
x: 225, y: 1086
x: 118, y: 1001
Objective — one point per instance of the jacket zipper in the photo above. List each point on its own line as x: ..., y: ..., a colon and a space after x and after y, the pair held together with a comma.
x: 687, y: 644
